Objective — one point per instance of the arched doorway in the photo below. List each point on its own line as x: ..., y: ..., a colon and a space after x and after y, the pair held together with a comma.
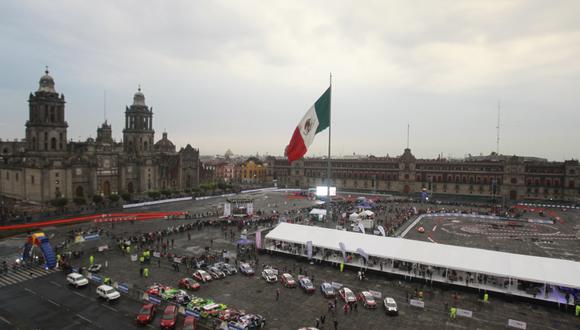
x: 79, y: 192
x: 106, y: 188
x: 130, y: 188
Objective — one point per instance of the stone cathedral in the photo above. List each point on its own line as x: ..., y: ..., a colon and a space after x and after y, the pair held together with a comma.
x: 46, y: 165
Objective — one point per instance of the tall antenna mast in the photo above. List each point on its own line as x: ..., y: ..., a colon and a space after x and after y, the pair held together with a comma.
x: 105, y: 104
x: 408, y: 128
x: 498, y: 126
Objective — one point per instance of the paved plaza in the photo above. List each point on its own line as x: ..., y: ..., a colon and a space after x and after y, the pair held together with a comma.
x: 44, y: 301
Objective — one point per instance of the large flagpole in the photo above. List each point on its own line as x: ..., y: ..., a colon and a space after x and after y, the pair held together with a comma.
x: 328, y: 159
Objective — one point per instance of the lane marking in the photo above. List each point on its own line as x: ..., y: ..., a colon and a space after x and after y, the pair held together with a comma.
x: 53, y: 302
x: 79, y: 294
x: 57, y: 284
x: 5, y: 320
x: 28, y: 290
x: 109, y: 308
x: 84, y: 318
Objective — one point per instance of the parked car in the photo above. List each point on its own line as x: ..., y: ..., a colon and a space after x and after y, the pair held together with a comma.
x: 226, y: 268
x: 157, y: 289
x: 250, y: 321
x: 146, y: 314
x: 189, y: 283
x: 390, y: 306
x: 95, y: 268
x: 169, y: 317
x: 108, y: 292
x: 287, y: 280
x: 77, y: 279
x: 215, y: 272
x: 347, y: 295
x: 269, y: 275
x: 202, y: 276
x: 367, y: 299
x: 307, y: 285
x: 327, y: 290
x: 246, y: 269
x: 189, y: 323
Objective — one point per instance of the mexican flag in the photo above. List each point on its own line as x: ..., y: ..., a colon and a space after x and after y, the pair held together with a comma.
x: 316, y: 120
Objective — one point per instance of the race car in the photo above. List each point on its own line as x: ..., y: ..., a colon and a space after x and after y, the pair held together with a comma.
x: 202, y: 276
x: 287, y: 280
x: 390, y: 306
x: 327, y: 290
x: 169, y: 317
x: 246, y: 269
x: 367, y: 299
x: 146, y: 314
x: 269, y: 275
x: 250, y: 321
x: 230, y: 314
x: 189, y: 283
x: 306, y: 285
x: 347, y: 295
x: 226, y: 268
x: 216, y: 273
x: 157, y: 289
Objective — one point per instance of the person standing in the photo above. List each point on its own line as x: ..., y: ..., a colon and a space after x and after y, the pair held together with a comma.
x: 335, y: 324
x: 277, y: 294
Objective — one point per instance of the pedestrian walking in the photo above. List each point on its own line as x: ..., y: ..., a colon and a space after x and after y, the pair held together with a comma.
x: 322, y: 319
x: 345, y: 309
x: 277, y: 294
x: 317, y: 323
x: 158, y: 262
x: 335, y: 325
x: 355, y: 307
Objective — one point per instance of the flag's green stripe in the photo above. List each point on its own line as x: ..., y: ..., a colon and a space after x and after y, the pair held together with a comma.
x: 322, y: 107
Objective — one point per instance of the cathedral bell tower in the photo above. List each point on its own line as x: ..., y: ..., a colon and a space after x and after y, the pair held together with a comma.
x: 46, y: 128
x: 138, y: 133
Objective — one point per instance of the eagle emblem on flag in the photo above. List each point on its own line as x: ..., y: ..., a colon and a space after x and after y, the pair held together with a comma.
x: 307, y: 126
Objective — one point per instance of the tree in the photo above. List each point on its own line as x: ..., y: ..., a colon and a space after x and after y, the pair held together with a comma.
x: 114, y: 198
x: 126, y: 196
x: 153, y: 194
x: 166, y: 192
x: 79, y: 201
x: 97, y: 199
x: 59, y: 202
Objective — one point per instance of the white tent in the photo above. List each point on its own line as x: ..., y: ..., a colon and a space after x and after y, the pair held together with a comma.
x: 525, y: 267
x: 367, y: 213
x: 353, y: 217
x: 319, y: 212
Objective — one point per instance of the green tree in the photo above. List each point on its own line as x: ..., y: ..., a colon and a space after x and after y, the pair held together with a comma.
x: 79, y: 201
x: 114, y: 198
x: 153, y: 194
x: 126, y: 196
x: 59, y: 202
x: 97, y: 199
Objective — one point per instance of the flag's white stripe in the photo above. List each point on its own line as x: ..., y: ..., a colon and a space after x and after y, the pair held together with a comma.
x: 309, y: 132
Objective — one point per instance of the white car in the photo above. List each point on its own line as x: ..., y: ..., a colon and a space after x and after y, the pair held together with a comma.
x: 390, y: 306
x: 108, y: 292
x: 77, y: 279
x: 269, y: 275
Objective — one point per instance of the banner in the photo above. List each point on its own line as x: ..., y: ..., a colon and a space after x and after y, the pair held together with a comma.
x: 250, y: 209
x: 363, y: 254
x: 309, y: 249
x: 227, y: 209
x: 259, y: 239
x: 361, y: 227
x: 382, y: 230
x: 343, y: 250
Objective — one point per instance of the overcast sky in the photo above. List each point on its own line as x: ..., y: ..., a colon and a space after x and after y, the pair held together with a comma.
x: 241, y: 74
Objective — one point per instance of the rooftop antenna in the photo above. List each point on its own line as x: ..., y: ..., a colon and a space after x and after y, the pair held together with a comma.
x: 408, y: 128
x: 498, y: 126
x: 105, y: 105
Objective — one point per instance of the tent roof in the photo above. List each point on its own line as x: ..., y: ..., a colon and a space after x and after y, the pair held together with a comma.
x: 318, y: 211
x: 530, y: 268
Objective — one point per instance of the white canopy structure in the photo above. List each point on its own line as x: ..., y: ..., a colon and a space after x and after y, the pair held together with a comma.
x: 509, y: 265
x: 367, y: 213
x: 319, y: 212
x: 353, y: 217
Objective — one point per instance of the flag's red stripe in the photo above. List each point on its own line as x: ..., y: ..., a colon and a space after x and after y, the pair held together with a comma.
x: 296, y: 148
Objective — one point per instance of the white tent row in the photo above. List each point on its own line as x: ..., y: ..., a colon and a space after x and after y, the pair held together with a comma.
x: 523, y: 267
x: 319, y: 212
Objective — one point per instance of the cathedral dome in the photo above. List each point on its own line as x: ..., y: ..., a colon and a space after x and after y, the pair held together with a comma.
x: 139, y: 98
x: 46, y: 83
x: 165, y: 145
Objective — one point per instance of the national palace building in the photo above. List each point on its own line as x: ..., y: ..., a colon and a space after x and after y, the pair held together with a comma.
x: 510, y: 177
x: 46, y: 165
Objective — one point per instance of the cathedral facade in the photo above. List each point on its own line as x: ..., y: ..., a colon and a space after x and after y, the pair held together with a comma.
x: 45, y: 165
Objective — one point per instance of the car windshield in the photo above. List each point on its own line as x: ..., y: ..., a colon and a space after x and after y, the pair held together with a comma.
x: 307, y: 282
x: 390, y: 304
x: 110, y: 291
x: 349, y: 294
x: 369, y: 297
x: 169, y: 315
x: 144, y: 310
